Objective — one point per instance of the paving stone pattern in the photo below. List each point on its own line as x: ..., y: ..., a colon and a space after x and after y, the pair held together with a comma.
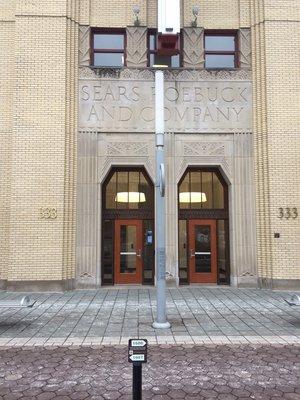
x: 223, y: 372
x: 198, y: 315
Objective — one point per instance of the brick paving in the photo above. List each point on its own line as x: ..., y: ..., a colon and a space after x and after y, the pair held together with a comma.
x: 198, y: 315
x: 223, y: 372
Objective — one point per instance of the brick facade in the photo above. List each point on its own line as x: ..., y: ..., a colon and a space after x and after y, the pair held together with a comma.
x: 39, y: 47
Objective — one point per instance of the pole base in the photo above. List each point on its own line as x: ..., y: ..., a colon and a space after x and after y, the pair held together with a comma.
x: 161, y: 325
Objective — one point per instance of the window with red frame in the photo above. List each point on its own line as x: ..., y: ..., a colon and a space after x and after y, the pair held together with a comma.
x: 108, y: 49
x: 175, y: 60
x: 221, y: 49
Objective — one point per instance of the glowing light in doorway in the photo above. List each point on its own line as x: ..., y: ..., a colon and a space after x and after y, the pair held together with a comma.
x: 192, y: 197
x: 130, y: 197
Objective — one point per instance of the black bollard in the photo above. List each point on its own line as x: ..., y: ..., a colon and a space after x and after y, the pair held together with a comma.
x: 137, y: 355
x: 137, y: 381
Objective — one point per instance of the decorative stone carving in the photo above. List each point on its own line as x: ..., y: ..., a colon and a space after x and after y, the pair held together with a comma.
x: 248, y: 273
x: 207, y: 75
x: 207, y: 160
x: 85, y: 275
x: 87, y: 73
x: 245, y: 48
x: 125, y: 148
x: 136, y: 48
x: 203, y: 149
x: 193, y: 48
x: 84, y: 45
x: 170, y: 75
x: 110, y: 161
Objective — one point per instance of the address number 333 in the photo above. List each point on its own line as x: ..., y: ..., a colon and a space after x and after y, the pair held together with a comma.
x: 48, y: 213
x: 287, y: 212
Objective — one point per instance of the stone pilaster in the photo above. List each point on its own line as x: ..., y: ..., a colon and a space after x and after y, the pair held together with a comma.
x: 84, y: 45
x: 136, y: 47
x: 245, y: 48
x: 193, y: 48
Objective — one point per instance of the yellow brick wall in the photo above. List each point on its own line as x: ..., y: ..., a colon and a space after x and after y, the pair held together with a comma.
x: 38, y: 148
x: 38, y: 122
x: 43, y: 142
x: 276, y: 60
x: 7, y: 32
x: 115, y: 13
x: 7, y: 10
x: 221, y: 14
x: 283, y: 123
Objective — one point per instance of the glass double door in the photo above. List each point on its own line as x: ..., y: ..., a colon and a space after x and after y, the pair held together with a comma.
x: 202, y: 253
x: 128, y: 265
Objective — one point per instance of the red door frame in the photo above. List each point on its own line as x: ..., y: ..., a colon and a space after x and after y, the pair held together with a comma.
x: 196, y: 277
x: 128, y: 278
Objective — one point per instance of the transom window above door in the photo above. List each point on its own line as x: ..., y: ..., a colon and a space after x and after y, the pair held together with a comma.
x: 221, y: 49
x: 108, y: 48
x: 128, y: 190
x: 201, y: 190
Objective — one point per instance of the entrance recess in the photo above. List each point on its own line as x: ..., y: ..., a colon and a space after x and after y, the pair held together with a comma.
x: 203, y: 251
x: 203, y: 229
x: 128, y: 251
x: 127, y: 227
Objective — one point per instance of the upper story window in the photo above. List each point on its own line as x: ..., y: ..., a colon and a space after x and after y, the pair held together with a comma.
x: 108, y: 48
x: 152, y: 47
x: 221, y: 49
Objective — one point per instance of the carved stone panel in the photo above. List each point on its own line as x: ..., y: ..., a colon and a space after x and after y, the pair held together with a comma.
x: 136, y: 48
x: 171, y: 75
x: 245, y: 48
x: 204, y: 149
x: 127, y: 148
x: 194, y: 101
x: 84, y: 45
x: 193, y: 48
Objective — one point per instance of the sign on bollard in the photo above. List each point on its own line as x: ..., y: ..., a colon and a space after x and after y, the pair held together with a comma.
x: 137, y: 350
x: 137, y: 355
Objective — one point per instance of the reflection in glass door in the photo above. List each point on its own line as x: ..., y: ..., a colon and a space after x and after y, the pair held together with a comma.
x: 128, y: 251
x: 203, y: 251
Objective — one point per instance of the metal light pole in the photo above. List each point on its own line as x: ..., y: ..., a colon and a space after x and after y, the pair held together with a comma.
x: 160, y: 206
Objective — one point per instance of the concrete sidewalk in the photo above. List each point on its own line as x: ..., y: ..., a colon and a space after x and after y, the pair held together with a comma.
x: 198, y: 315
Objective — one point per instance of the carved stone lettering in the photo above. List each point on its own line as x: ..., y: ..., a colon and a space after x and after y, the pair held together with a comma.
x: 124, y: 104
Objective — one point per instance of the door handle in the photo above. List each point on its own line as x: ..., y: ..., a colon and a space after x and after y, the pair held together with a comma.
x: 139, y: 253
x: 192, y: 253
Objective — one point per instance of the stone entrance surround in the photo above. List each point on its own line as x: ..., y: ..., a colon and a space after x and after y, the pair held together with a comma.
x: 119, y: 136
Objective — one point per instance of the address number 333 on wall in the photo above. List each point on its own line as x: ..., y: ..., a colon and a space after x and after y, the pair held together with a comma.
x: 47, y: 213
x: 287, y: 212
